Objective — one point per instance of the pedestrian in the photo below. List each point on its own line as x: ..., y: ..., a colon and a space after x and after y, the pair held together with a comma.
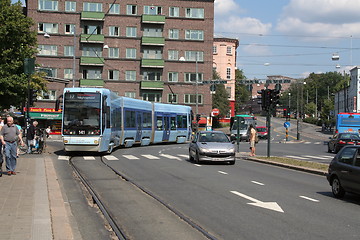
x: 253, y: 140
x: 1, y: 121
x: 9, y: 136
x: 16, y: 122
x: 48, y: 131
x: 30, y: 136
x: 1, y: 154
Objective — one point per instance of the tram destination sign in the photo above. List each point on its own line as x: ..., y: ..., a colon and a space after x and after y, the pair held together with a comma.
x: 215, y: 82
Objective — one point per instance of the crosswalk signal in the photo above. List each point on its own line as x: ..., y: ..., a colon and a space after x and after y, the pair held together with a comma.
x: 32, y: 96
x: 275, y: 97
x: 267, y: 93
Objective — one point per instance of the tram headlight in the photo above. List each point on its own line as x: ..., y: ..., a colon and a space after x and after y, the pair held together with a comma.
x: 96, y: 141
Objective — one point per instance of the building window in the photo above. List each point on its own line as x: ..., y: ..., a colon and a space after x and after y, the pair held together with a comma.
x: 69, y: 28
x: 68, y: 51
x: 48, y: 5
x: 92, y: 52
x: 152, y: 10
x: 194, y: 35
x: 152, y: 97
x: 92, y: 7
x: 131, y: 53
x: 91, y: 74
x: 113, y: 31
x: 194, y: 12
x: 173, y: 11
x: 131, y: 31
x: 92, y: 29
x: 228, y: 90
x: 174, y: 33
x: 228, y: 73
x: 229, y: 50
x: 130, y: 75
x: 214, y: 49
x: 172, y: 98
x: 153, y: 32
x: 191, y: 99
x: 47, y: 50
x: 173, y: 55
x: 48, y: 27
x: 113, y: 52
x: 173, y: 76
x: 68, y: 73
x: 191, y: 56
x: 152, y: 54
x: 114, y: 9
x: 151, y: 76
x: 191, y: 77
x: 113, y: 75
x: 130, y: 94
x: 49, y: 95
x: 70, y: 6
x: 131, y: 9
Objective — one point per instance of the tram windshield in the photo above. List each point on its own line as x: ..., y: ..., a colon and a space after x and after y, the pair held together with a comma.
x: 81, y: 113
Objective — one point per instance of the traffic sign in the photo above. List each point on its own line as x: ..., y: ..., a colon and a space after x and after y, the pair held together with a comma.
x: 215, y: 112
x: 286, y: 124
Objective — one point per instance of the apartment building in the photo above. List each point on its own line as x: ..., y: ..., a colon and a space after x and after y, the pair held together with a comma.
x: 151, y: 50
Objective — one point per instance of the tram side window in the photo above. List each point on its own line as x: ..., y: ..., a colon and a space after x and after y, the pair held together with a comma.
x: 173, y: 123
x: 130, y: 120
x: 159, y: 123
x: 116, y: 118
x: 147, y: 120
x: 181, y: 121
x: 107, y: 117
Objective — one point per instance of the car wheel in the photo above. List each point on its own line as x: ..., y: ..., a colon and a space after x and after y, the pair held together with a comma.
x: 197, y: 158
x: 231, y: 162
x: 336, y: 188
x: 190, y: 157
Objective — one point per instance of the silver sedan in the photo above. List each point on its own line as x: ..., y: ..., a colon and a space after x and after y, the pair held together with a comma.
x: 212, y: 146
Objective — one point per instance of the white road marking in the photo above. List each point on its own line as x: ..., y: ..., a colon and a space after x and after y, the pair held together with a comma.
x: 296, y: 157
x: 258, y: 183
x: 111, y: 158
x: 307, y: 142
x: 225, y: 173
x: 89, y: 158
x: 310, y: 199
x: 183, y: 155
x: 170, y: 157
x: 268, y: 205
x: 318, y: 143
x: 198, y: 165
x: 316, y: 157
x: 130, y: 157
x: 66, y: 158
x: 150, y: 156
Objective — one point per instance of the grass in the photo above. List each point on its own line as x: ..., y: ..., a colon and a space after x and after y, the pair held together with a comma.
x: 294, y: 162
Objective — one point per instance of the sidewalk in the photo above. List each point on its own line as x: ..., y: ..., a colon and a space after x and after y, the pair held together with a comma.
x: 31, y: 203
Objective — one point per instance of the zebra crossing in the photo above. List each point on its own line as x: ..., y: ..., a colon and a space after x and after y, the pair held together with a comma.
x: 311, y: 157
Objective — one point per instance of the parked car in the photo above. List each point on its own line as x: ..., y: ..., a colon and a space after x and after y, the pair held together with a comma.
x: 344, y: 171
x: 340, y: 140
x: 262, y: 132
x: 212, y: 146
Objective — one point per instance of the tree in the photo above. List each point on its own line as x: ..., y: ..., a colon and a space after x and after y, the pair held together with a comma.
x: 242, y: 94
x: 17, y: 42
x: 220, y: 98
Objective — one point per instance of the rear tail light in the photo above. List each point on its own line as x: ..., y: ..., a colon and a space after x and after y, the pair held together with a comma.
x: 342, y: 142
x: 358, y: 143
x: 350, y: 142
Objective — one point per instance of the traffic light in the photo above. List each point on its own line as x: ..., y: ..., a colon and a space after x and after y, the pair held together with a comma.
x: 275, y: 97
x: 267, y: 98
x: 32, y: 96
x: 197, y: 117
x: 261, y: 98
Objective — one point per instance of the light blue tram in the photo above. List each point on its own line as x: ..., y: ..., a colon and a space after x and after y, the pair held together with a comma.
x: 98, y: 120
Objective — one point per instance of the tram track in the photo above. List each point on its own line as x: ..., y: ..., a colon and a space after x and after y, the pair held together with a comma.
x: 121, y: 233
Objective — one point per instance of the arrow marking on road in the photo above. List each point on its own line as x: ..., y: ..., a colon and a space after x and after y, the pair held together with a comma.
x: 268, y: 205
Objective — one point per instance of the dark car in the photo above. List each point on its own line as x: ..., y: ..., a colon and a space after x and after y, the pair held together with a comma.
x: 344, y: 171
x: 212, y: 146
x: 340, y: 140
x: 262, y: 132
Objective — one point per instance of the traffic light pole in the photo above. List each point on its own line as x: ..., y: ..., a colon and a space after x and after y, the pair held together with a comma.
x: 268, y: 126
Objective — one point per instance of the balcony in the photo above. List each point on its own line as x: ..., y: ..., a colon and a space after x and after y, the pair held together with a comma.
x: 92, y: 16
x: 152, y: 63
x: 91, y: 83
x: 95, y: 38
x: 156, y: 19
x: 152, y: 85
x: 92, y: 61
x: 153, y: 41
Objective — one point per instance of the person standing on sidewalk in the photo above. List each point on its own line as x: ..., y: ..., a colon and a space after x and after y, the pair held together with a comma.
x: 30, y: 136
x: 9, y: 135
x: 252, y: 139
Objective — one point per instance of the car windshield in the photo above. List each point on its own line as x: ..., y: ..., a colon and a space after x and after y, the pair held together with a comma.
x: 261, y: 129
x: 213, y: 137
x: 349, y: 136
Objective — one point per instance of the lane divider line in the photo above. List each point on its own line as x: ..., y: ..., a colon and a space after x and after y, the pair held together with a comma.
x: 310, y: 199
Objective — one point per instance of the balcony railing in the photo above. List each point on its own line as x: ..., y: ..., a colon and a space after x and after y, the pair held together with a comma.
x: 152, y: 63
x: 92, y: 16
x: 92, y: 61
x: 153, y: 41
x: 157, y: 19
x: 91, y: 83
x: 152, y: 85
x: 95, y: 38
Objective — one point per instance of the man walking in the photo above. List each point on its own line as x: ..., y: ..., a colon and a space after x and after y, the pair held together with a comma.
x: 9, y: 135
x: 30, y: 136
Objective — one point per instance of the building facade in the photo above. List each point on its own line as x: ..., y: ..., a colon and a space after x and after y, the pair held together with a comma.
x: 224, y: 63
x: 135, y: 48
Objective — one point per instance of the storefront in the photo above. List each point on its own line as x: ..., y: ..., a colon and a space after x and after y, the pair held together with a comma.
x: 47, y: 117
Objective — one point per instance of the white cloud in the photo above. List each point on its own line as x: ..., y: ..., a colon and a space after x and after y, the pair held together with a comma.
x: 255, y: 49
x: 224, y: 7
x: 236, y: 24
x: 329, y: 18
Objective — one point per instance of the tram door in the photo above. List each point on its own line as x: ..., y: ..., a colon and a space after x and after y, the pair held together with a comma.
x: 138, y: 126
x: 166, y: 127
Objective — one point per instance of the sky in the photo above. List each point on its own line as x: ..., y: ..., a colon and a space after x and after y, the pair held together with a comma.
x: 291, y: 37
